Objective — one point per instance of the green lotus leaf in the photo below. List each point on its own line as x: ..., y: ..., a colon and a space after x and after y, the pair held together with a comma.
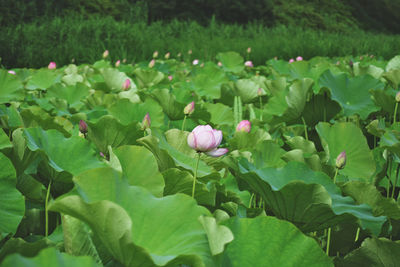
x: 10, y: 117
x: 220, y: 113
x: 172, y: 108
x: 11, y: 88
x: 246, y: 89
x: 268, y: 154
x: 231, y: 61
x: 385, y: 98
x: 258, y: 241
x: 128, y: 112
x: 245, y: 141
x: 352, y: 93
x: 4, y: 140
x: 148, y: 77
x: 373, y: 252
x: 136, y: 227
x: 320, y: 108
x: 393, y: 64
x: 42, y: 79
x: 306, y: 198
x: 108, y: 131
x: 393, y: 77
x: 208, y: 81
x: 372, y: 70
x: 218, y: 235
x: 73, y: 94
x: 367, y: 193
x: 297, y: 97
x: 25, y: 249
x: 49, y: 257
x: 12, y: 203
x: 346, y: 136
x: 140, y: 168
x: 114, y: 79
x: 73, y: 155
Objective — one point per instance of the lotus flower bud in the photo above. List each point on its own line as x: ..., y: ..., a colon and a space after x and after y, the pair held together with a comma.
x: 248, y: 64
x: 167, y: 55
x: 299, y: 58
x: 155, y: 54
x: 179, y: 54
x: 190, y: 51
x: 105, y: 54
x: 275, y: 58
x: 244, y: 126
x: 248, y: 50
x: 126, y: 85
x: 219, y: 64
x: 341, y: 160
x: 124, y: 60
x: 12, y: 72
x: 188, y: 110
x: 259, y: 91
x: 117, y: 63
x: 102, y: 155
x: 351, y: 63
x: 203, y: 138
x: 398, y: 96
x: 170, y: 77
x: 152, y: 63
x: 291, y: 60
x: 337, y: 63
x: 83, y: 128
x: 195, y: 62
x: 52, y: 65
x: 146, y: 123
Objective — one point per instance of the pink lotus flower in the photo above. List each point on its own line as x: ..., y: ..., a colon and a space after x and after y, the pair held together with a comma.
x: 341, y: 160
x: 203, y: 138
x: 52, y: 65
x: 299, y: 58
x: 248, y: 64
x: 105, y: 54
x: 167, y: 55
x: 117, y: 63
x: 219, y: 63
x: 248, y: 50
x: 83, y: 127
x: 195, y: 62
x: 146, y: 123
x: 152, y: 63
x: 12, y: 72
x: 244, y: 126
x: 126, y: 85
x: 189, y: 108
x: 170, y: 77
x: 155, y: 54
x: 291, y: 60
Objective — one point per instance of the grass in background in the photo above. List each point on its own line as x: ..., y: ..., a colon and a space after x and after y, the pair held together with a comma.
x: 84, y: 40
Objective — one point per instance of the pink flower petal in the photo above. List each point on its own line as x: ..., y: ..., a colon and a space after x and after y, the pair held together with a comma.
x: 205, y: 141
x: 217, y: 152
x: 191, y: 140
x: 218, y: 137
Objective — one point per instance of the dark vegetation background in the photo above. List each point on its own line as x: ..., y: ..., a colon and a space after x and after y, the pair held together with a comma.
x: 32, y: 33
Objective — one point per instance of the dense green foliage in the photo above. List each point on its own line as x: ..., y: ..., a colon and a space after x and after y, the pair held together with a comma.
x: 61, y: 40
x: 333, y: 15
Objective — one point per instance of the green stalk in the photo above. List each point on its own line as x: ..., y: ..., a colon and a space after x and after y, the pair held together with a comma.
x: 235, y: 110
x: 328, y: 241
x: 357, y: 234
x: 395, y: 112
x: 183, y: 123
x: 305, y: 128
x: 195, y: 174
x: 261, y: 109
x: 46, y: 212
x: 395, y: 181
x: 240, y: 109
x: 389, y: 175
x: 251, y: 200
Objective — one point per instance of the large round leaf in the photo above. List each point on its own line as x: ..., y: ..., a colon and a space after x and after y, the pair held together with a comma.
x: 345, y: 136
x: 42, y: 79
x: 49, y: 257
x: 208, y: 81
x: 352, y: 93
x: 231, y: 61
x: 267, y: 241
x: 140, y: 168
x: 11, y: 88
x: 12, y: 203
x: 129, y: 219
x: 246, y: 89
x: 73, y: 155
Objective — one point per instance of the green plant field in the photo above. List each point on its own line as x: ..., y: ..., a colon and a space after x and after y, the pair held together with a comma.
x: 104, y: 165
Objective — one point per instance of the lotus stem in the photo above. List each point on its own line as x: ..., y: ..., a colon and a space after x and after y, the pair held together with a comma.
x: 395, y: 181
x: 305, y: 128
x: 261, y: 108
x: 195, y: 174
x: 183, y: 123
x: 46, y: 211
x: 357, y: 234
x: 251, y: 200
x: 328, y: 241
x: 395, y: 112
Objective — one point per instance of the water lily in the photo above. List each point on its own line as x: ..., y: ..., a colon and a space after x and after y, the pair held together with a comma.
x: 189, y: 108
x: 203, y: 138
x: 52, y: 65
x: 299, y: 58
x: 244, y: 126
x: 249, y: 64
x: 341, y: 160
x: 105, y: 54
x: 127, y: 84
